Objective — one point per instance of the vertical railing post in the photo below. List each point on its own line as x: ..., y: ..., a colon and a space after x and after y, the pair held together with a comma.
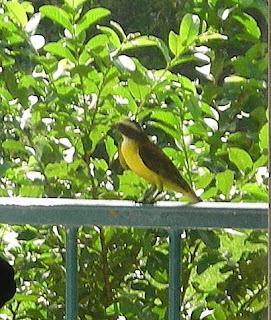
x: 174, y: 274
x: 71, y: 273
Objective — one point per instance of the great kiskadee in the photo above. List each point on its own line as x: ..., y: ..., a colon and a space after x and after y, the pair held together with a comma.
x: 140, y: 155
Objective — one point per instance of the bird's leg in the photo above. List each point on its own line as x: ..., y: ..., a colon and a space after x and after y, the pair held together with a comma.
x: 160, y: 195
x: 149, y: 195
x: 153, y: 195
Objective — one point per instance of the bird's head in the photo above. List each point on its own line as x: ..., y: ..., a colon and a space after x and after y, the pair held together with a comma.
x: 130, y: 129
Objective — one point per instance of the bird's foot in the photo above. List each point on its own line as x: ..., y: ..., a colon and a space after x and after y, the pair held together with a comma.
x: 152, y: 196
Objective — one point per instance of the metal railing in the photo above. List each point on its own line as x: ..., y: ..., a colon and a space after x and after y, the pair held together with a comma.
x: 173, y: 216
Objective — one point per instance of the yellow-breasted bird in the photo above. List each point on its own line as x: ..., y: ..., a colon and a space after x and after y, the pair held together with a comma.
x: 140, y: 155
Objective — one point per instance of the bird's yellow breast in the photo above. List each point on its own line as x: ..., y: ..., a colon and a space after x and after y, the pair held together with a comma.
x: 130, y: 153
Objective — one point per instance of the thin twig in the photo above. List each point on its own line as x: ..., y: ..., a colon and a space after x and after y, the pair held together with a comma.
x: 107, y: 286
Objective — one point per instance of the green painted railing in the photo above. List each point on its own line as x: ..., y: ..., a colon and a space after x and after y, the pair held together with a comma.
x: 172, y: 216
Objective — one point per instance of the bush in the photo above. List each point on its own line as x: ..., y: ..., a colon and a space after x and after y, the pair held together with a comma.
x: 201, y: 91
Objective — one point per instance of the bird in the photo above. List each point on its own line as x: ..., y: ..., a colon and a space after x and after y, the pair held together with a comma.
x: 8, y: 285
x: 147, y: 160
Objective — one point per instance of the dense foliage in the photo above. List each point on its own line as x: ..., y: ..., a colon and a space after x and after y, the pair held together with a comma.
x: 195, y: 77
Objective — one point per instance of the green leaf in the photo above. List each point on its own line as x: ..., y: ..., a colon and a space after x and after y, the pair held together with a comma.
x: 119, y: 29
x: 26, y: 298
x: 4, y: 167
x: 57, y: 15
x: 13, y: 145
x: 194, y: 107
x: 90, y: 87
x: 17, y: 12
x: 98, y: 48
x: 147, y: 41
x: 90, y: 18
x: 59, y: 50
x: 138, y: 90
x: 163, y: 48
x: 6, y: 60
x: 123, y: 97
x: 111, y: 34
x: 96, y: 135
x: 32, y: 191
x: 250, y: 25
x: 56, y: 170
x: 210, y: 238
x: 98, y: 41
x: 113, y: 309
x: 174, y: 43
x: 207, y: 36
x: 167, y: 121
x: 239, y: 139
x: 196, y: 314
x: 110, y: 147
x: 219, y: 312
x: 208, y: 260
x: 240, y: 158
x: 28, y: 7
x: 256, y: 192
x: 224, y: 182
x: 187, y: 85
x: 75, y: 3
x: 27, y: 234
x: 205, y: 177
x: 264, y: 137
x: 189, y: 28
x: 261, y: 161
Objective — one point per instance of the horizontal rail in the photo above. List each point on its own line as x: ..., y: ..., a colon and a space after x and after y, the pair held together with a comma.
x: 164, y: 214
x: 172, y: 215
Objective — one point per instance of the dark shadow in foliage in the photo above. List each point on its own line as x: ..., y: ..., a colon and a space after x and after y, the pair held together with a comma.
x: 7, y: 283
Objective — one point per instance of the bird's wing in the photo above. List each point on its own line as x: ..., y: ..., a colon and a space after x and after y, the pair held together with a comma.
x: 158, y: 162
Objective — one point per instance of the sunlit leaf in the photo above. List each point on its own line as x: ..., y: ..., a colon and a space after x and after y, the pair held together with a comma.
x: 119, y: 29
x: 13, y: 145
x: 147, y: 41
x: 174, y: 43
x: 205, y: 37
x: 264, y: 137
x: 91, y: 17
x: 111, y: 34
x: 28, y: 7
x: 240, y: 158
x: 59, y: 49
x: 75, y: 3
x: 110, y: 147
x: 17, y: 12
x: 57, y: 15
x: 204, y: 179
x: 54, y: 170
x: 256, y: 192
x: 224, y: 182
x: 249, y: 24
x: 189, y: 28
x: 138, y: 90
